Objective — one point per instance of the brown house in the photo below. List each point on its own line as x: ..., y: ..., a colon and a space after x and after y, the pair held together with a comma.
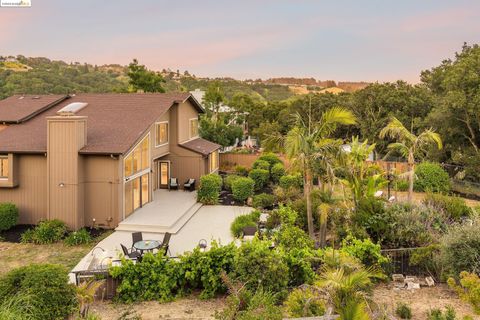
x: 97, y: 157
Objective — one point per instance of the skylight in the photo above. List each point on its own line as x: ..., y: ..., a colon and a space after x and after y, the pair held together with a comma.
x: 72, y: 108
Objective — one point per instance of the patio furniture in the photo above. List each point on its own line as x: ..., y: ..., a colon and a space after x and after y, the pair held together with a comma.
x: 136, y: 237
x: 165, y: 243
x: 132, y: 255
x: 146, y: 245
x: 189, y: 185
x: 173, y: 184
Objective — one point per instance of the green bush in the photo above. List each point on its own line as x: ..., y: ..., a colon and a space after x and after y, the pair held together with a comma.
x: 271, y: 158
x: 401, y: 185
x: 365, y: 251
x: 427, y: 260
x: 403, y: 311
x: 76, y: 238
x: 228, y: 181
x: 431, y: 177
x: 18, y: 307
x: 304, y: 302
x: 241, y: 171
x: 291, y: 182
x: 454, y: 207
x: 371, y: 216
x: 260, y: 177
x: 258, y: 266
x: 242, y: 221
x: 301, y: 263
x: 260, y: 164
x: 52, y: 297
x: 291, y: 237
x: 460, y: 248
x: 242, y: 188
x: 277, y: 172
x: 468, y: 289
x: 8, y: 215
x: 263, y: 200
x: 282, y: 216
x: 437, y: 314
x: 49, y: 231
x: 209, y: 189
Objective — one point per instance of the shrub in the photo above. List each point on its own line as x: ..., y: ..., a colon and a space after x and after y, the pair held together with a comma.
x: 291, y: 182
x: 258, y: 266
x: 301, y: 263
x: 401, y: 185
x: 282, y: 216
x: 263, y: 200
x: 427, y: 260
x: 242, y: 188
x: 209, y: 190
x: 18, y: 307
x: 228, y: 181
x: 454, y: 207
x: 75, y: 238
x: 277, y: 172
x: 304, y: 302
x: 47, y: 285
x: 291, y: 237
x: 241, y: 171
x: 261, y: 164
x: 260, y: 177
x: 49, y: 231
x: 245, y: 220
x: 8, y: 215
x: 437, y: 314
x: 364, y: 250
x: 271, y: 158
x: 431, y: 177
x: 468, y: 289
x: 460, y: 249
x: 371, y: 216
x: 286, y: 195
x: 403, y: 311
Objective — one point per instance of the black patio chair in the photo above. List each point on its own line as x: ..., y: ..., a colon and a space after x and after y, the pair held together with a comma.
x: 189, y: 185
x: 166, y: 243
x: 132, y: 255
x: 173, y: 184
x: 136, y: 237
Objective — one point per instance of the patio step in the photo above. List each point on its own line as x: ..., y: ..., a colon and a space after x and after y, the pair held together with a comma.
x: 152, y: 228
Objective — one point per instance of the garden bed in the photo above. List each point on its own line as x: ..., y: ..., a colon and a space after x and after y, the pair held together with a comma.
x: 14, y: 234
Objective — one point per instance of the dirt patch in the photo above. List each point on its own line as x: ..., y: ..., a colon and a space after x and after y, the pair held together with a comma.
x: 186, y: 308
x: 422, y: 300
x: 14, y: 234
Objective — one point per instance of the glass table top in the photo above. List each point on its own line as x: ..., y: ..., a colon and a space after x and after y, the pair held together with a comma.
x: 146, y: 244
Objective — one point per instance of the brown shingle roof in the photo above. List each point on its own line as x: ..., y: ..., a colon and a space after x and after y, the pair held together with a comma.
x: 201, y: 146
x: 115, y: 122
x: 19, y: 108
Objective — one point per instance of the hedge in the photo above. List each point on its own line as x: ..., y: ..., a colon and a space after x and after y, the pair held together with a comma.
x: 242, y: 188
x: 209, y: 189
x: 261, y: 177
x: 8, y: 215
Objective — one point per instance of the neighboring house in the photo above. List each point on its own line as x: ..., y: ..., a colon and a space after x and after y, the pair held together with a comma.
x: 97, y: 157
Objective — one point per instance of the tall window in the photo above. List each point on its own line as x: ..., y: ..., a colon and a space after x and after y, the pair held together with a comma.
x: 213, y: 161
x: 161, y: 133
x: 193, y: 128
x: 4, y: 167
x: 138, y: 159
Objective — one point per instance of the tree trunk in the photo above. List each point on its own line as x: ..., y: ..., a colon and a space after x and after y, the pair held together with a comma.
x: 323, y: 214
x: 411, y: 176
x: 307, y: 188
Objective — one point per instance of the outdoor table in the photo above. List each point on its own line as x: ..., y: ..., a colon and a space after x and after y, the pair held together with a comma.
x: 146, y: 245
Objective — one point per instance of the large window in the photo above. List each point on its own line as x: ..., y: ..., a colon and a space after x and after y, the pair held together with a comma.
x: 138, y: 159
x: 4, y: 168
x: 161, y: 133
x: 213, y: 161
x: 193, y: 128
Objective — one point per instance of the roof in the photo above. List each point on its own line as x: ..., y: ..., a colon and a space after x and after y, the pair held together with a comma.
x: 115, y: 122
x: 201, y: 146
x: 20, y: 108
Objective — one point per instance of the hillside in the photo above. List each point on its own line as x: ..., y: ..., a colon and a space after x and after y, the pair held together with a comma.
x: 38, y: 75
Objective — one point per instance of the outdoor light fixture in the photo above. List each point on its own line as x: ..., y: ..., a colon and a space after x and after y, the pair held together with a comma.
x: 61, y: 184
x: 202, y: 244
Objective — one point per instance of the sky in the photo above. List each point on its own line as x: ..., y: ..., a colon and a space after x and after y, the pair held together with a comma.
x: 343, y: 40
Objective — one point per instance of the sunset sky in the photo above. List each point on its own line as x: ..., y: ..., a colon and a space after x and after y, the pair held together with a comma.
x: 341, y: 40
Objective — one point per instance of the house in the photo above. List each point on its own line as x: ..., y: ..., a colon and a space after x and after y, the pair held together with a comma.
x: 97, y: 157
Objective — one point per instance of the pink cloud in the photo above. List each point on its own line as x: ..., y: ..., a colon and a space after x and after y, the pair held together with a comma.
x: 440, y: 19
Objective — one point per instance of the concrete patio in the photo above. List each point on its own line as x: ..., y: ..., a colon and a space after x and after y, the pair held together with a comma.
x: 209, y: 223
x: 168, y: 212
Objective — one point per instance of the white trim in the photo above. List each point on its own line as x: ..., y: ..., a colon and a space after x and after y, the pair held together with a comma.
x: 189, y: 128
x: 168, y: 134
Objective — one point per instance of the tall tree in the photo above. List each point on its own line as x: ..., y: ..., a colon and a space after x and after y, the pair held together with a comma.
x: 143, y: 79
x: 308, y: 141
x: 409, y: 144
x: 213, y: 99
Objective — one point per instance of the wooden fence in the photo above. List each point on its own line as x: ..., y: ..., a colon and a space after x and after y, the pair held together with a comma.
x: 229, y: 160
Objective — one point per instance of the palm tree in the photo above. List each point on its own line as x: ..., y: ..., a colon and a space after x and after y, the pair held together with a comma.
x: 86, y: 294
x: 307, y: 143
x: 409, y: 144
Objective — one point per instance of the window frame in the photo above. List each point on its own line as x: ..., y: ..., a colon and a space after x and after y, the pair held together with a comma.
x: 210, y: 162
x: 190, y: 128
x: 136, y: 173
x: 157, y: 133
x: 4, y: 157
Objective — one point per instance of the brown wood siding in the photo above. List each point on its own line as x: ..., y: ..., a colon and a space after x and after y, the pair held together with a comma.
x: 101, y: 180
x: 160, y: 151
x: 186, y: 111
x: 31, y: 194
